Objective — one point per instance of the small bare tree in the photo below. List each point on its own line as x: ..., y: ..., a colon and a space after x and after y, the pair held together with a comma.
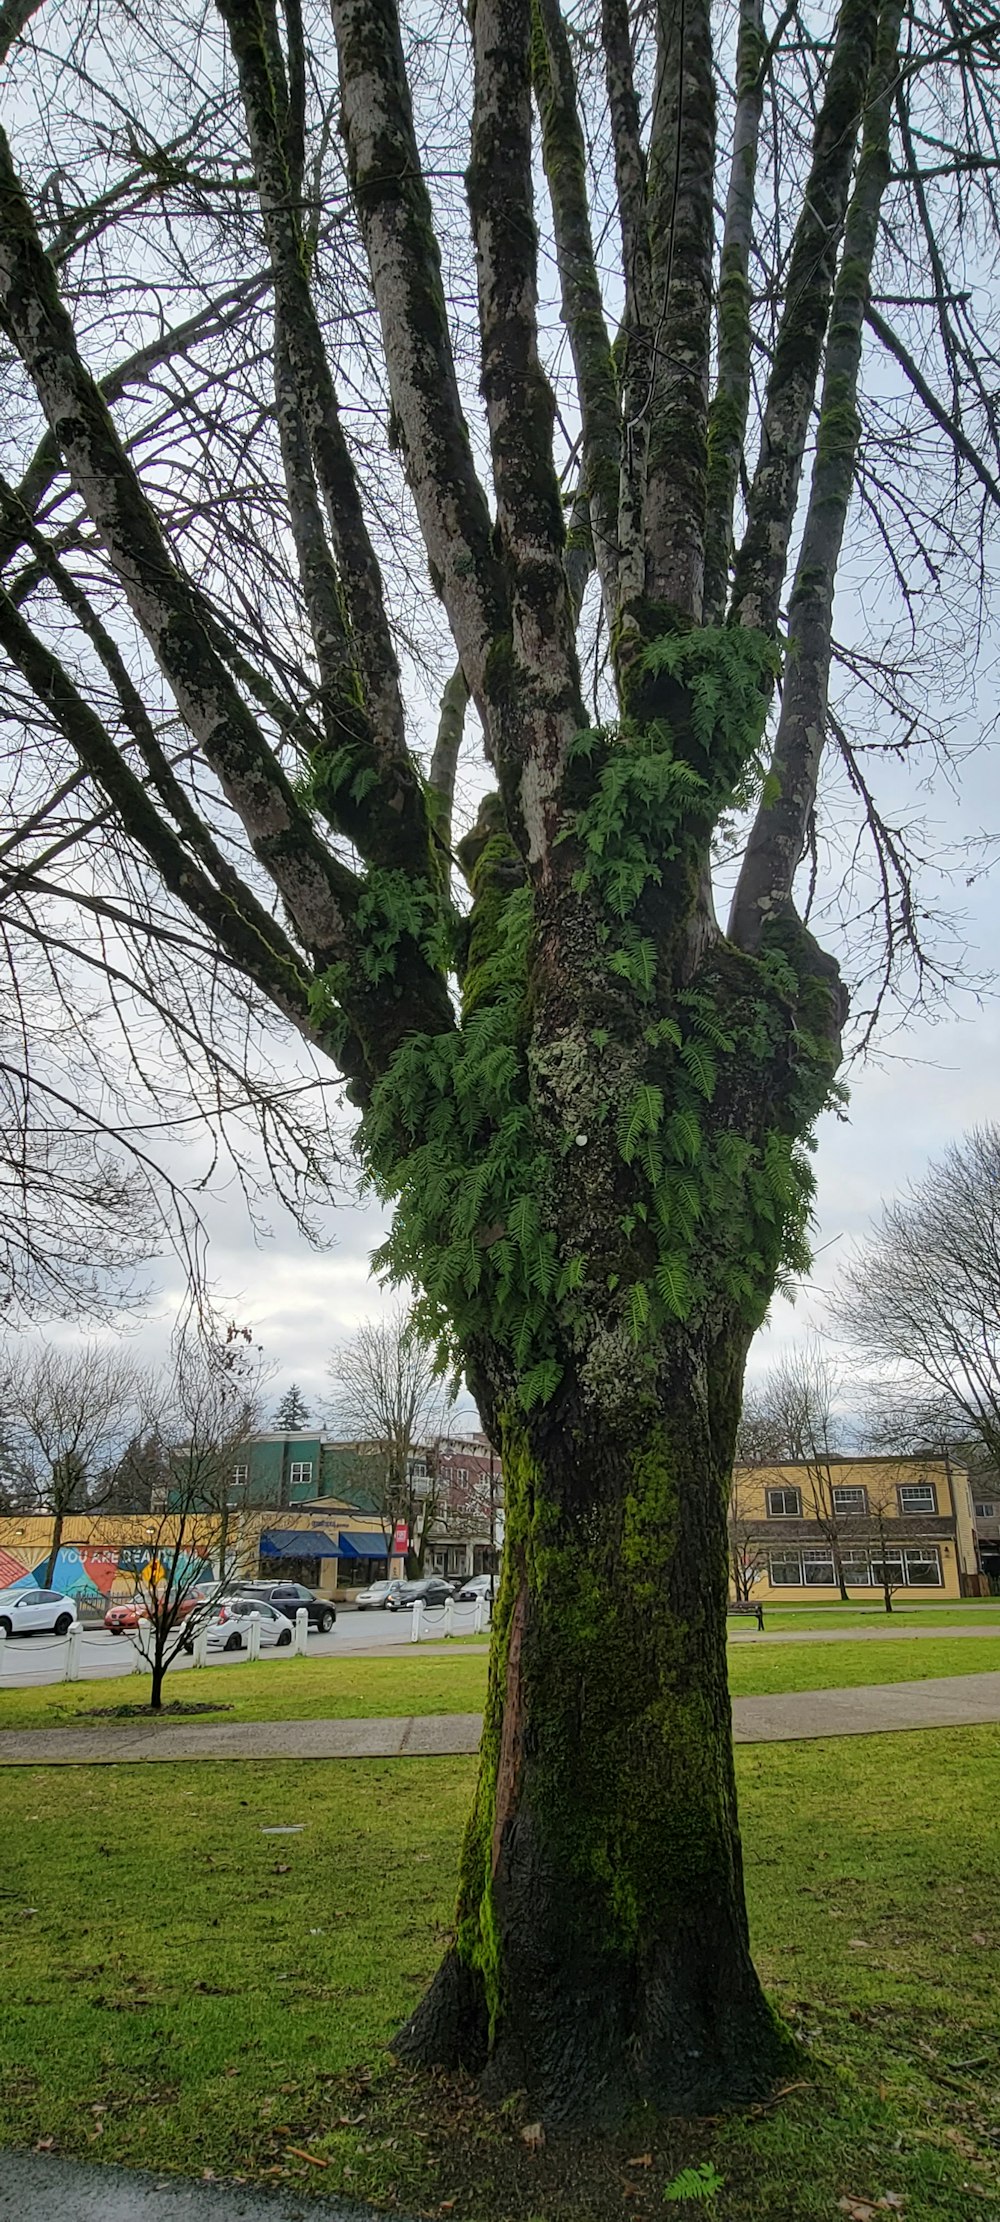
x: 71, y: 1411
x: 747, y: 1546
x: 799, y: 1397
x: 212, y: 1411
x: 390, y: 1399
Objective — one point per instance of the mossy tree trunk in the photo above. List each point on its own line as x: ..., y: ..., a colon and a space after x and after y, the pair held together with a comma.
x: 601, y: 1953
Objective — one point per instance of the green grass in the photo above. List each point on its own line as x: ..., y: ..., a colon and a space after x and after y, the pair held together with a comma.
x: 780, y: 1619
x: 832, y: 1666
x: 184, y: 1992
x: 277, y: 1689
x: 455, y: 1682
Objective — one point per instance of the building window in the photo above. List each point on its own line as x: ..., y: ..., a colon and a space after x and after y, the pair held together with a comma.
x: 922, y: 1568
x: 918, y: 1567
x: 784, y: 1504
x: 241, y: 1475
x: 817, y: 1568
x: 857, y: 1573
x: 917, y: 1496
x: 850, y: 1499
x: 984, y: 1511
x: 462, y: 1476
x: 300, y: 1473
x: 785, y: 1571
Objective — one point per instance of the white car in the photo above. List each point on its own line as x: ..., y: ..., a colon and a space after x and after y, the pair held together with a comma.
x: 229, y: 1627
x: 478, y: 1585
x: 30, y: 1612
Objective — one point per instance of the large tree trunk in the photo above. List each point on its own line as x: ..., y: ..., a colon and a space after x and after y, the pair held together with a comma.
x: 602, y: 1953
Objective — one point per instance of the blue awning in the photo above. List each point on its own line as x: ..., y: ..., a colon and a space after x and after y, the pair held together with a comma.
x: 298, y: 1543
x: 364, y: 1545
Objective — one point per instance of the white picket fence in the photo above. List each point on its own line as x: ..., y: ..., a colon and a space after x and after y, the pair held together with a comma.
x: 71, y: 1647
x: 475, y: 1618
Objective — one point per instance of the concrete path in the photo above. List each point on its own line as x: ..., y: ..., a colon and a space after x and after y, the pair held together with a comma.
x: 954, y: 1701
x: 37, y: 2185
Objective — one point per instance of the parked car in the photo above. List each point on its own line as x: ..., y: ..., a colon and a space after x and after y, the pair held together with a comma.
x: 229, y: 1627
x: 376, y: 1597
x: 288, y: 1598
x: 36, y: 1612
x: 130, y: 1612
x: 478, y: 1585
x: 431, y: 1590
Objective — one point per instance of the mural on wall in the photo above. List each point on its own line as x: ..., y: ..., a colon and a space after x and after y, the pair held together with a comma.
x: 91, y: 1571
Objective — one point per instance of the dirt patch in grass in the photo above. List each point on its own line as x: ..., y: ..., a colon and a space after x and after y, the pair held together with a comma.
x: 174, y: 1711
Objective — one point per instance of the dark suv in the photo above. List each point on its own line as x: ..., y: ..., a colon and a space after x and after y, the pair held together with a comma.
x: 432, y: 1590
x: 289, y: 1597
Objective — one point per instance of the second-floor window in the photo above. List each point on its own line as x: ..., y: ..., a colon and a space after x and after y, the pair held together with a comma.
x: 985, y: 1511
x: 300, y: 1472
x: 241, y: 1475
x: 917, y: 1496
x: 462, y: 1476
x: 784, y: 1504
x: 849, y: 1499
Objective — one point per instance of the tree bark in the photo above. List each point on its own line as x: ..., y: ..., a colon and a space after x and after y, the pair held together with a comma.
x: 57, y: 1531
x: 601, y: 1954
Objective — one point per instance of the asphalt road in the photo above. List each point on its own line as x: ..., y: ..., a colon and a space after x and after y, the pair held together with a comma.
x: 28, y: 1660
x: 34, y: 2186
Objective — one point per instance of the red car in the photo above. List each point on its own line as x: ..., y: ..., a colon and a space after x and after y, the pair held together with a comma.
x: 129, y: 1611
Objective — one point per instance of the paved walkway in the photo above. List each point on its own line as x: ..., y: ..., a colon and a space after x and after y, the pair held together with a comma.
x: 953, y: 1701
x: 33, y: 2185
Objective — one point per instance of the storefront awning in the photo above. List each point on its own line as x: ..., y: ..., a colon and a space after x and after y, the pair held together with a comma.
x: 298, y: 1543
x: 364, y: 1545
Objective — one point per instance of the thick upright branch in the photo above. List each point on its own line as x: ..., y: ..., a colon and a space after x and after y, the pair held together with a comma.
x: 305, y: 389
x: 447, y: 747
x: 760, y: 566
x: 727, y: 420
x: 582, y: 307
x: 394, y: 212
x: 682, y: 238
x: 636, y: 332
x: 634, y: 343
x: 520, y: 413
x: 778, y: 837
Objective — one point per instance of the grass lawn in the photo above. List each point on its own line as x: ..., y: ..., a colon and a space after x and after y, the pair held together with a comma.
x: 785, y: 1619
x: 429, y: 1682
x: 188, y: 1992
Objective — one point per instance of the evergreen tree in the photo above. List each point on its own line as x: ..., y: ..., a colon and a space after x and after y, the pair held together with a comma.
x: 293, y: 1412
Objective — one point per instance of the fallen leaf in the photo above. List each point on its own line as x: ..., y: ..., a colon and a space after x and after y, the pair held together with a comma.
x: 893, y: 2202
x: 643, y: 2160
x: 978, y: 1937
x: 45, y: 2145
x: 533, y: 2135
x: 282, y: 1868
x: 298, y: 2152
x: 860, y: 2210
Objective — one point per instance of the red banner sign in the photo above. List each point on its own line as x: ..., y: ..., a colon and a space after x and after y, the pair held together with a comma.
x: 400, y: 1538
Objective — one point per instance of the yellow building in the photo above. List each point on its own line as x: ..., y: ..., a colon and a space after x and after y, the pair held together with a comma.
x: 801, y: 1529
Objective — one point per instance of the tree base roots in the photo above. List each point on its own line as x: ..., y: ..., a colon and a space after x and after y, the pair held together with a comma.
x: 591, y: 2060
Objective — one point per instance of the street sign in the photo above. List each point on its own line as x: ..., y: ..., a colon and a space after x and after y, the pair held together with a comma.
x: 400, y: 1538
